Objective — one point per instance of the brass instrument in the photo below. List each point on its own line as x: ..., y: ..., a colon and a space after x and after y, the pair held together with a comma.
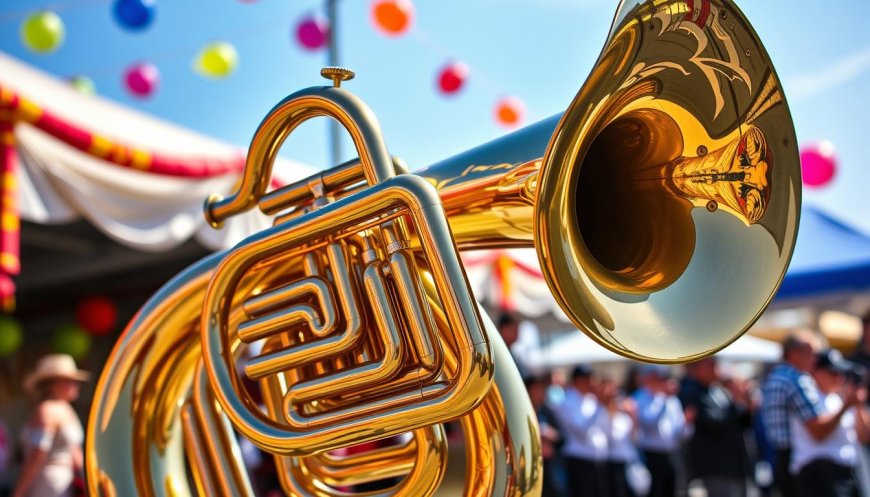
x: 663, y: 205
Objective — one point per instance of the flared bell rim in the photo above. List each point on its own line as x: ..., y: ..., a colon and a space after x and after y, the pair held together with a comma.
x: 566, y: 262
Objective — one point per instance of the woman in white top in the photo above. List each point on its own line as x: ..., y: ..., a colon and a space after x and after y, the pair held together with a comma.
x: 825, y: 467
x: 52, y: 438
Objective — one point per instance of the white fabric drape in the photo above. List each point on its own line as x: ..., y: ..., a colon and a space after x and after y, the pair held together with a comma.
x: 59, y: 184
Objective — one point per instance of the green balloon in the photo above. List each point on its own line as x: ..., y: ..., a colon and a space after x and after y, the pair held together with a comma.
x: 73, y: 340
x: 11, y: 335
x: 83, y: 84
x: 217, y: 60
x: 42, y: 32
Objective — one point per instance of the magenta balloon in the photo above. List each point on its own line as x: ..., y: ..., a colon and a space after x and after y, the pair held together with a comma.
x: 142, y: 79
x: 313, y: 33
x: 818, y: 164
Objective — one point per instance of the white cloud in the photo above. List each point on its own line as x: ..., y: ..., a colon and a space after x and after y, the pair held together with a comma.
x: 809, y: 85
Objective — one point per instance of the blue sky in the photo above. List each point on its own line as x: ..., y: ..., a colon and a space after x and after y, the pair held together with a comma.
x: 540, y: 51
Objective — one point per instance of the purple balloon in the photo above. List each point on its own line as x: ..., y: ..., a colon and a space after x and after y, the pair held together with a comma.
x: 313, y: 32
x: 142, y: 79
x: 818, y: 163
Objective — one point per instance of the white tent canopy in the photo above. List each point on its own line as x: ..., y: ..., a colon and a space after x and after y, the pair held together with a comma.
x: 146, y: 211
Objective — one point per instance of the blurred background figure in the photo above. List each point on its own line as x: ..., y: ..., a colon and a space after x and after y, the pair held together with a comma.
x: 662, y: 426
x: 791, y: 400
x: 825, y: 466
x: 509, y: 329
x: 789, y: 391
x: 716, y: 453
x: 621, y: 434
x: 52, y: 439
x: 861, y: 355
x: 551, y: 434
x: 584, y: 423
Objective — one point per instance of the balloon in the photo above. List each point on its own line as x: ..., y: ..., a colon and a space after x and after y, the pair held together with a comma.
x: 393, y: 17
x: 313, y: 32
x: 11, y: 335
x: 97, y: 315
x: 509, y: 111
x: 134, y: 15
x: 217, y: 60
x: 83, y: 84
x: 142, y: 79
x: 72, y: 340
x: 42, y: 32
x: 452, y: 77
x: 818, y: 163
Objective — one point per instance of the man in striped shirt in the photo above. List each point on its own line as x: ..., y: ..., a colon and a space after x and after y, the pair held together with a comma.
x: 790, y: 392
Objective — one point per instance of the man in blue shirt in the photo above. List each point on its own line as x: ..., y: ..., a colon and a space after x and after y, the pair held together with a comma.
x: 789, y: 391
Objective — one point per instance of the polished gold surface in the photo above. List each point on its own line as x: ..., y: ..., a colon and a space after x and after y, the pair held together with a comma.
x: 337, y: 75
x: 663, y: 206
x: 664, y: 202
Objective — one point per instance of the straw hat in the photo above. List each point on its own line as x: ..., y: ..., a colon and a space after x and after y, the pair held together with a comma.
x: 54, y: 366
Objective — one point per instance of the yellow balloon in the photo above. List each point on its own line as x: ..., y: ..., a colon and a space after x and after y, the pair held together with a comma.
x: 217, y: 60
x: 42, y: 32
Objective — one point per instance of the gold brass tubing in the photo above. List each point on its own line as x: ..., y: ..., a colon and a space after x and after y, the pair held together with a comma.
x: 320, y: 320
x: 195, y: 450
x: 328, y: 346
x: 107, y: 488
x: 209, y: 440
x: 339, y: 177
x: 376, y: 464
x: 343, y: 106
x: 122, y: 449
x: 417, y: 312
x: 145, y: 344
x: 462, y: 394
x: 367, y: 374
x: 220, y: 440
x: 427, y: 471
x: 299, y: 192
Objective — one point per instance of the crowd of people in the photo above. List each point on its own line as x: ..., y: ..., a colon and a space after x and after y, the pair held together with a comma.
x: 800, y: 429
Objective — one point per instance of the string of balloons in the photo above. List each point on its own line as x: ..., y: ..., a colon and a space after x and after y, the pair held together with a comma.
x: 395, y: 18
x: 44, y: 32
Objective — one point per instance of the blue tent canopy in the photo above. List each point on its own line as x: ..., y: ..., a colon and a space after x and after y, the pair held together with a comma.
x: 830, y: 257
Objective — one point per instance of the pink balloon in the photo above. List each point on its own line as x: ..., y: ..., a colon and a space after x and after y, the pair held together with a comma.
x: 313, y: 32
x: 142, y: 79
x: 818, y: 163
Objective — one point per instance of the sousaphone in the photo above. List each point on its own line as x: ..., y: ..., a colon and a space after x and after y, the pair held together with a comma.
x: 663, y: 205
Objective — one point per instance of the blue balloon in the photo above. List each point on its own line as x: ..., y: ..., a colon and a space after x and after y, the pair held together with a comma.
x: 134, y: 15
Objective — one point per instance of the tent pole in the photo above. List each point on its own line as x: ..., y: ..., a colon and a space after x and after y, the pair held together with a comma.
x: 334, y: 126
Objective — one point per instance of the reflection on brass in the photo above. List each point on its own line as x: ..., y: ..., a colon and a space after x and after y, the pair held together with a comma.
x: 736, y: 175
x: 663, y: 207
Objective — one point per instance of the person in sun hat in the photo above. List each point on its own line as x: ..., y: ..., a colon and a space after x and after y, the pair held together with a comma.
x: 52, y: 439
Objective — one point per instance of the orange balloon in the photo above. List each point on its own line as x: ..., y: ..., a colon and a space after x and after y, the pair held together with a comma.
x: 509, y: 111
x: 393, y: 17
